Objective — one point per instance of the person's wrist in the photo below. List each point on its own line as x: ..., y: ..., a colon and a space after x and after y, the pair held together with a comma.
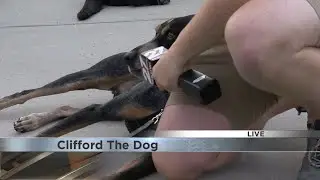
x: 179, y: 57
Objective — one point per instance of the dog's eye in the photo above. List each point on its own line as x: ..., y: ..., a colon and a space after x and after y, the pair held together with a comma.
x: 171, y: 36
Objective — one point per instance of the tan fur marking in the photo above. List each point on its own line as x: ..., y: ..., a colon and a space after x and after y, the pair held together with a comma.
x: 131, y: 111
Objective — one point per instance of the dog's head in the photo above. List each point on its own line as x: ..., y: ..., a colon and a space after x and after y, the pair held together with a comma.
x: 166, y: 33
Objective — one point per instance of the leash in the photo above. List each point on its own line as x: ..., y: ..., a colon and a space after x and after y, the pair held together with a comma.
x: 146, y: 125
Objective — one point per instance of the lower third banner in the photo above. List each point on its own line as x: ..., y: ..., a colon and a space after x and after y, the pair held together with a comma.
x: 169, y: 141
x: 176, y: 141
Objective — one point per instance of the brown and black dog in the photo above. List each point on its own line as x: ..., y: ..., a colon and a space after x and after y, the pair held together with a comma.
x: 135, y: 100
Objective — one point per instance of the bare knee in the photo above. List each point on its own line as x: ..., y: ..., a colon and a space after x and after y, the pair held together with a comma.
x: 249, y: 42
x: 178, y: 166
x: 189, y: 165
x: 263, y: 35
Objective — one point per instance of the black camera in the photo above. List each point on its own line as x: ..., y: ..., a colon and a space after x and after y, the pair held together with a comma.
x: 193, y: 83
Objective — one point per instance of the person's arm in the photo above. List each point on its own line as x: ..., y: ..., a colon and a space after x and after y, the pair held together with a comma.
x: 205, y: 29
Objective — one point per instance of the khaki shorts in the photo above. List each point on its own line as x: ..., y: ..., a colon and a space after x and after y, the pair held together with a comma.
x: 241, y: 103
x: 316, y: 6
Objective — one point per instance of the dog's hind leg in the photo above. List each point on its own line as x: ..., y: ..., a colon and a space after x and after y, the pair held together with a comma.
x: 141, y: 101
x: 134, y: 170
x: 36, y: 120
x: 106, y: 74
x: 71, y: 82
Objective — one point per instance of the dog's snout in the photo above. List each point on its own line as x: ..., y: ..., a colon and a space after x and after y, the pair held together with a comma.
x: 130, y: 56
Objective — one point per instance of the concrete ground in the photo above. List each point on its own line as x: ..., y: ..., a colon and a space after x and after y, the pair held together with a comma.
x: 41, y: 40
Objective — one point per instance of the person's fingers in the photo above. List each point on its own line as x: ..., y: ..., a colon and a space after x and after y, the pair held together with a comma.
x: 156, y: 81
x: 165, y: 83
x: 164, y: 75
x: 160, y: 86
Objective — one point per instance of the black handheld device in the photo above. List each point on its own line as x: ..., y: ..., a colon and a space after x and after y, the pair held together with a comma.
x: 193, y: 83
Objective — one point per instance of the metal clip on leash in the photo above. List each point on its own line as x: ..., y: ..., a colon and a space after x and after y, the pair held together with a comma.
x: 192, y: 83
x: 156, y: 119
x: 153, y: 120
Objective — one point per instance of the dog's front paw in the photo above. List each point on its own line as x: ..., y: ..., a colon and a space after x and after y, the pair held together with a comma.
x: 29, y: 123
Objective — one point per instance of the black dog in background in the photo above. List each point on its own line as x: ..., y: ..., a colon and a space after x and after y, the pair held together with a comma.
x: 92, y: 7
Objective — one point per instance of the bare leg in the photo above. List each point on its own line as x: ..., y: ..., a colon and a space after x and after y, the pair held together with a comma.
x: 36, y: 120
x: 190, y: 166
x: 274, y: 51
x: 188, y: 117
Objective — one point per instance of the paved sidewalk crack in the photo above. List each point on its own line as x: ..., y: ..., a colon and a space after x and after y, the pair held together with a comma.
x: 81, y: 23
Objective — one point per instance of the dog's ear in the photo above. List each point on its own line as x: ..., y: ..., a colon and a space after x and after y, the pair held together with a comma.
x: 160, y: 27
x: 178, y: 24
x: 169, y: 31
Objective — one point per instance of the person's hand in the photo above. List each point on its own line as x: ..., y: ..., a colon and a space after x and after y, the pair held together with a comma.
x: 167, y: 71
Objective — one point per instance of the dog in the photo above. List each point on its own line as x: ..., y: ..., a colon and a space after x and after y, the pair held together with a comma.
x: 135, y: 100
x: 92, y: 7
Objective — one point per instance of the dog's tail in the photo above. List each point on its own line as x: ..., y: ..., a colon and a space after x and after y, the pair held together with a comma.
x: 104, y: 75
